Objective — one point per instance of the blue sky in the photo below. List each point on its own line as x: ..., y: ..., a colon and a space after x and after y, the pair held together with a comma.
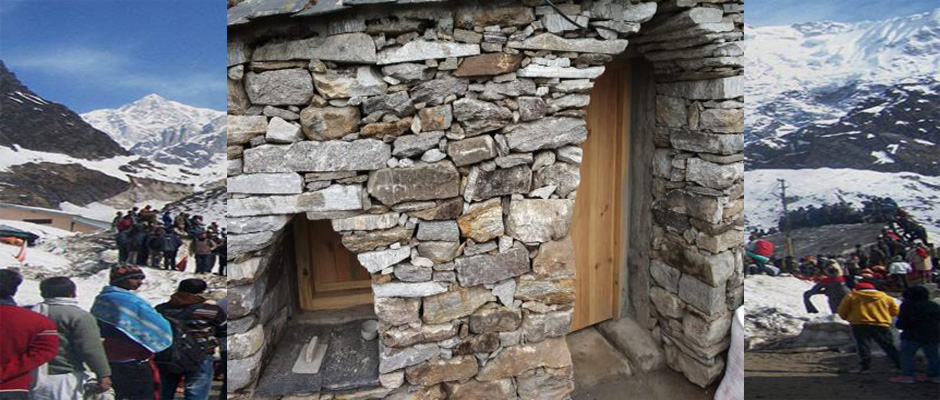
x: 786, y: 12
x: 92, y: 54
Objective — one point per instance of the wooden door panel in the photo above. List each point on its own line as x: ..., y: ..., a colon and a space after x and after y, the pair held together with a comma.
x: 596, y: 223
x: 329, y: 275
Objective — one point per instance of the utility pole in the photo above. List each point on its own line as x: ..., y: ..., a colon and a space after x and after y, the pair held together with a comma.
x: 786, y: 215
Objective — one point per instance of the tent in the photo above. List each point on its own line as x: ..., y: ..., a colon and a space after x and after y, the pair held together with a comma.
x: 9, y: 231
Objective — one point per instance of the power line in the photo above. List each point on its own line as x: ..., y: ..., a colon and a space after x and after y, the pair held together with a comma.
x: 786, y: 215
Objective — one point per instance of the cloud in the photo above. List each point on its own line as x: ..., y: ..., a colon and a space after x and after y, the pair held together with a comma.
x: 111, y: 71
x: 72, y: 60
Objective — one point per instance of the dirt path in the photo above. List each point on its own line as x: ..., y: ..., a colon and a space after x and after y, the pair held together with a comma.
x: 821, y: 375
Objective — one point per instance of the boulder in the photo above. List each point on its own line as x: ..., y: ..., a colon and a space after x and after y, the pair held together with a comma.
x: 431, y: 373
x: 565, y: 177
x: 242, y: 128
x: 420, y: 182
x: 550, y: 353
x: 472, y: 150
x: 415, y: 145
x: 434, y: 92
x: 279, y: 87
x: 548, y: 41
x: 326, y: 123
x: 283, y: 183
x: 355, y: 48
x: 546, y: 133
x: 333, y: 198
x: 359, y: 242
x: 436, y: 118
x: 375, y: 261
x: 483, y: 185
x: 489, y: 64
x: 483, y: 221
x: 420, y: 50
x: 556, y: 259
x: 548, y: 292
x: 538, y: 221
x: 493, y: 318
x: 331, y: 156
x: 446, y: 307
x: 480, y: 117
x: 487, y: 269
x: 397, y: 103
x: 396, y: 311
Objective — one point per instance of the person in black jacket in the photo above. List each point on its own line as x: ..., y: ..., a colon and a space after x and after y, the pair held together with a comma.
x: 155, y: 247
x: 171, y: 243
x: 919, y: 322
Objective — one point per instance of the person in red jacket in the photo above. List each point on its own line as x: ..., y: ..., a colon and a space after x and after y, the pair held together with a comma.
x: 760, y: 251
x: 29, y: 340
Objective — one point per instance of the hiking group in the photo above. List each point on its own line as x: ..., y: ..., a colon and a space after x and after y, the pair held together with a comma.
x: 857, y: 284
x: 144, y: 237
x: 134, y: 351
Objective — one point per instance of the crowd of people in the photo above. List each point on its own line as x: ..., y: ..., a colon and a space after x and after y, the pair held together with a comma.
x: 855, y: 284
x: 131, y: 350
x: 145, y: 237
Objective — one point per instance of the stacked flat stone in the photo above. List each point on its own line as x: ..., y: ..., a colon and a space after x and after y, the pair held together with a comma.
x: 442, y: 140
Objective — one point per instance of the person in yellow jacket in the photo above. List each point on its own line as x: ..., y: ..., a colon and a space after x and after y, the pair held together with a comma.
x: 871, y: 313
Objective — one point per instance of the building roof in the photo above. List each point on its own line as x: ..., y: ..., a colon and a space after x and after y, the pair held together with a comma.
x: 75, y: 217
x: 247, y: 10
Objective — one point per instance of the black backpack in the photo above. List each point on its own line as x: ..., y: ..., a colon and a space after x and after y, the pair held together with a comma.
x: 185, y: 354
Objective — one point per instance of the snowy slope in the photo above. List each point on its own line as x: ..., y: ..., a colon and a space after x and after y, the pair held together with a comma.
x: 815, y: 72
x: 918, y: 194
x: 844, y: 110
x: 774, y: 306
x: 53, y: 256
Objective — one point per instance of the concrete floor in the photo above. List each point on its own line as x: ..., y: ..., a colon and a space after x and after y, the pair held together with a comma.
x: 602, y: 373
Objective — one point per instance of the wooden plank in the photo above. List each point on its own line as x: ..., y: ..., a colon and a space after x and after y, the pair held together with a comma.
x: 347, y: 285
x: 345, y: 299
x: 305, y: 274
x: 596, y: 223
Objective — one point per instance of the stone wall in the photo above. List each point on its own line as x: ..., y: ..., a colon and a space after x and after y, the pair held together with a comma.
x: 442, y: 141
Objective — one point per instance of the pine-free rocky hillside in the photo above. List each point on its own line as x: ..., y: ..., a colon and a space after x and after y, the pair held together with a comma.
x: 33, y: 123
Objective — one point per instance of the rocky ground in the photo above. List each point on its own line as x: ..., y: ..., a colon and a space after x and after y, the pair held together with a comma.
x: 602, y: 372
x: 821, y: 375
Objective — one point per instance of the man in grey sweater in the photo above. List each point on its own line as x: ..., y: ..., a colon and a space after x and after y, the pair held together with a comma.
x: 79, y: 344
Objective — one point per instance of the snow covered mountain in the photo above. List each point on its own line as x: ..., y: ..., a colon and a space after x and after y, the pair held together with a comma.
x: 844, y: 111
x: 166, y: 131
x: 50, y: 156
x: 816, y: 72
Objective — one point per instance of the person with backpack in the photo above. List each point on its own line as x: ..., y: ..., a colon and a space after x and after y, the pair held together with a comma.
x: 202, y: 248
x: 919, y: 322
x: 79, y: 344
x: 132, y: 331
x: 222, y: 252
x: 198, y: 327
x: 27, y: 340
x: 155, y: 247
x: 171, y: 244
x: 167, y: 219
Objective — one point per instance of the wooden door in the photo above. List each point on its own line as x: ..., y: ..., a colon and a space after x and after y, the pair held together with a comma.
x: 329, y: 275
x: 596, y: 229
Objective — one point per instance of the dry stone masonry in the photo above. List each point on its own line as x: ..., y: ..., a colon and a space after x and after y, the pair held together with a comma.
x: 442, y: 141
